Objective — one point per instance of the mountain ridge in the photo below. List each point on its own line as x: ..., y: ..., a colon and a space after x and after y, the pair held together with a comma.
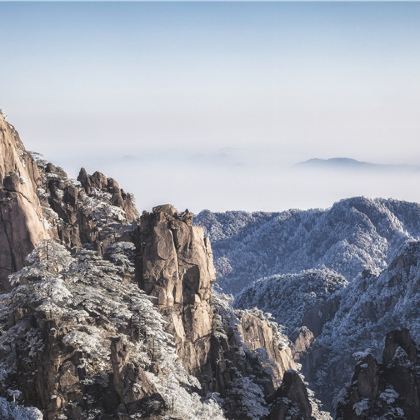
x: 352, y: 235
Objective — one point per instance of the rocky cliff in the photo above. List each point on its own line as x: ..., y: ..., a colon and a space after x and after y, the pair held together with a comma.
x: 80, y: 340
x: 174, y: 264
x: 312, y: 298
x: 22, y: 223
x: 92, y: 214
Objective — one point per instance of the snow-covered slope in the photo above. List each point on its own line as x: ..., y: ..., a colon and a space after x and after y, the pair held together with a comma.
x: 295, y: 300
x: 353, y: 235
x: 369, y: 308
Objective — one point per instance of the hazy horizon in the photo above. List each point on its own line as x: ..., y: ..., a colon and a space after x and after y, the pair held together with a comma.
x: 209, y: 105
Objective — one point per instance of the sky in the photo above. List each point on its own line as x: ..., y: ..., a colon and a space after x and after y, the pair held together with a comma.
x: 209, y: 105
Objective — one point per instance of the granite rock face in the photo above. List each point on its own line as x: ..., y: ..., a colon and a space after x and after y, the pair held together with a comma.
x: 247, y: 361
x: 390, y: 389
x: 22, y: 223
x: 38, y: 201
x: 174, y: 265
x: 259, y: 334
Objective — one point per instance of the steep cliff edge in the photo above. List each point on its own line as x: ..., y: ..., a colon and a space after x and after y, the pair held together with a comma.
x: 174, y: 264
x: 248, y: 359
x: 38, y: 201
x: 22, y: 223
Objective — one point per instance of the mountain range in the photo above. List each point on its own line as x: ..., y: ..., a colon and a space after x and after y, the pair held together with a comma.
x: 109, y: 314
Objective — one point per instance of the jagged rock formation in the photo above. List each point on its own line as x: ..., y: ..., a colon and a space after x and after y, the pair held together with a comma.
x: 119, y: 198
x: 390, y: 389
x: 174, y: 264
x: 248, y: 359
x: 92, y: 215
x: 88, y: 342
x: 353, y: 235
x: 291, y: 400
x: 22, y: 224
x: 38, y: 201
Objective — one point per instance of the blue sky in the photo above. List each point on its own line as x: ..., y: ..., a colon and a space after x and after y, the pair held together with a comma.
x: 207, y: 105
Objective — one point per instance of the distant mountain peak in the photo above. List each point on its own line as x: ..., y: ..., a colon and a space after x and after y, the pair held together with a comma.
x: 337, y: 163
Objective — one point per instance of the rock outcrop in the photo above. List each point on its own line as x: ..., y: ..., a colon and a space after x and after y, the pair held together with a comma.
x: 99, y: 182
x: 291, y: 400
x: 260, y: 335
x: 22, y: 223
x: 174, y: 264
x: 81, y: 216
x: 390, y: 389
x: 38, y: 201
x: 240, y: 355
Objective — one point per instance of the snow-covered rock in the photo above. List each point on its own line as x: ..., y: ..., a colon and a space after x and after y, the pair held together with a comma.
x: 63, y: 317
x: 387, y: 390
